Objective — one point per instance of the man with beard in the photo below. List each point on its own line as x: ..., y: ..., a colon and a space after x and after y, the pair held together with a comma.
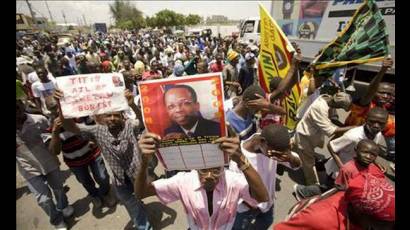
x: 117, y: 139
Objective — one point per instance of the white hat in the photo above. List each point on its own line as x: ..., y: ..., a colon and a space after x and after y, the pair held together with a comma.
x: 249, y: 56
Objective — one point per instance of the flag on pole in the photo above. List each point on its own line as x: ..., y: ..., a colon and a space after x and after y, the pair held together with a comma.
x: 274, y: 61
x: 364, y: 39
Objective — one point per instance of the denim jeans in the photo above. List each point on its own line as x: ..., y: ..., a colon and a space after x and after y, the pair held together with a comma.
x: 40, y: 187
x: 100, y: 175
x: 134, y: 207
x: 253, y: 219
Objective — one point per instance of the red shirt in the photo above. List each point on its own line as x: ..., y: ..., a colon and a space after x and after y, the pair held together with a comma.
x: 216, y: 68
x: 358, y: 116
x: 148, y: 75
x: 271, y: 118
x: 327, y: 214
x: 352, y: 169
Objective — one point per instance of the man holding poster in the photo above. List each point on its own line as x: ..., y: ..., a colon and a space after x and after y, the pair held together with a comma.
x: 117, y: 138
x: 210, y: 196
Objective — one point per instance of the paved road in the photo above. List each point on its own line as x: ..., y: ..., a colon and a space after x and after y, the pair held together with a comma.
x: 30, y: 216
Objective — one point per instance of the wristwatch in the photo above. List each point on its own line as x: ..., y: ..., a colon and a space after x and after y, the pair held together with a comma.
x: 245, y: 165
x: 287, y: 8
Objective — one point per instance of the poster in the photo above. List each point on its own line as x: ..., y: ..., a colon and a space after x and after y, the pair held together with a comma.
x: 286, y: 9
x: 91, y: 94
x: 188, y: 114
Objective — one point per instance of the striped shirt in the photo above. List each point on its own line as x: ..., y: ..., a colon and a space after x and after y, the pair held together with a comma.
x: 77, y: 150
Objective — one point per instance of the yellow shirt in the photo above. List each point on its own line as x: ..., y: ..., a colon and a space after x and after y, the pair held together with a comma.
x: 304, y: 86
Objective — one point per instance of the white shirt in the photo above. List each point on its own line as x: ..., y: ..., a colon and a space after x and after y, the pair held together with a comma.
x: 266, y: 168
x: 315, y: 123
x: 72, y: 61
x: 344, y: 146
x: 43, y: 91
x: 33, y: 77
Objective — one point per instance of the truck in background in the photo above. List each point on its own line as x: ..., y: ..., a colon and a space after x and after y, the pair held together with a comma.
x: 100, y: 27
x: 313, y: 24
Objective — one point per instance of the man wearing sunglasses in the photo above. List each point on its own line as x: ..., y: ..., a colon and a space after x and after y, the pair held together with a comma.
x: 184, y: 111
x: 210, y: 196
x: 264, y: 151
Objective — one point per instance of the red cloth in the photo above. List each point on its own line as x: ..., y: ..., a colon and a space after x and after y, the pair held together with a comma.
x: 373, y: 196
x: 148, y: 75
x: 106, y: 66
x: 216, y: 68
x: 327, y: 214
x: 271, y: 118
x: 352, y: 169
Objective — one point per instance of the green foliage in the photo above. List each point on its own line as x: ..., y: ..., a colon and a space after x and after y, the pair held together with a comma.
x: 168, y: 18
x: 126, y: 15
x: 192, y: 19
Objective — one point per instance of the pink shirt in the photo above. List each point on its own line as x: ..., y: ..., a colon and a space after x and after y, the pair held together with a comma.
x: 185, y: 186
x: 266, y: 168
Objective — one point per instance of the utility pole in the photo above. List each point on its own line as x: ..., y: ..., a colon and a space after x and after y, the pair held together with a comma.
x: 271, y: 8
x: 64, y: 17
x: 49, y: 12
x: 32, y: 15
x: 85, y: 22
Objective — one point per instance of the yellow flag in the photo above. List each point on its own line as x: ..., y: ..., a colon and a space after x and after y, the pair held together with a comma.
x: 274, y: 61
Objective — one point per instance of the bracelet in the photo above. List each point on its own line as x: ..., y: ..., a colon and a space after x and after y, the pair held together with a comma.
x: 245, y: 165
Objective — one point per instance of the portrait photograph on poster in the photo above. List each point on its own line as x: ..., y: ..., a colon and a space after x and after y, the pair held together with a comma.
x: 188, y: 114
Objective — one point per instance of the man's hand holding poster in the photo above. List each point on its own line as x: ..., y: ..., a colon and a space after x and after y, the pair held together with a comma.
x: 188, y: 114
x: 91, y: 94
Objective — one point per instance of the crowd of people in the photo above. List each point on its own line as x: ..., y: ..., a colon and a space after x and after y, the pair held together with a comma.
x: 116, y: 152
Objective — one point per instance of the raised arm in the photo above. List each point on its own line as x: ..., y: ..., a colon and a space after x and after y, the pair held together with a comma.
x: 231, y: 145
x: 291, y: 77
x: 68, y: 124
x: 133, y: 106
x: 147, y: 146
x: 264, y: 105
x: 55, y: 143
x: 374, y: 84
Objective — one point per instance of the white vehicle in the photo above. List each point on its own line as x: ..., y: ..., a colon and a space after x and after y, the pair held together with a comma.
x: 250, y: 30
x: 313, y: 24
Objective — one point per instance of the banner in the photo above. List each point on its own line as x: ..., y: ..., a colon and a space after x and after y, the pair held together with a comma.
x: 274, y: 61
x: 91, y: 94
x: 364, y: 39
x: 188, y: 114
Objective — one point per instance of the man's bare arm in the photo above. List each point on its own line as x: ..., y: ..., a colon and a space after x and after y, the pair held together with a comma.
x: 335, y: 156
x: 147, y: 146
x: 231, y: 145
x: 291, y: 77
x: 374, y: 84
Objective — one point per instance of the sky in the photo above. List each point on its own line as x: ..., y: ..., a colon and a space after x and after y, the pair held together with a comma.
x: 98, y: 11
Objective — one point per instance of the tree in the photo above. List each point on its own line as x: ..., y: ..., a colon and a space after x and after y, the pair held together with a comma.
x: 151, y: 21
x: 126, y: 15
x: 169, y: 18
x: 192, y: 19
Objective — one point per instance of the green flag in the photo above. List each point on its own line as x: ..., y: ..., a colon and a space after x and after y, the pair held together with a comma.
x: 364, y: 39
